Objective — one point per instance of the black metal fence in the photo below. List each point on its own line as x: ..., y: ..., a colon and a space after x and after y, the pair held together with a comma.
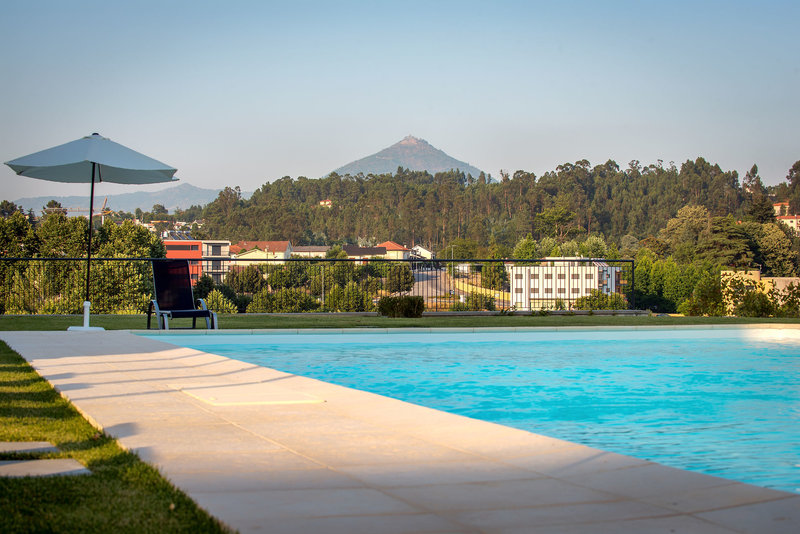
x: 124, y: 285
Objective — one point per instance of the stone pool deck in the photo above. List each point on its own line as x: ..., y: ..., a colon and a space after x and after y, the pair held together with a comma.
x: 266, y: 451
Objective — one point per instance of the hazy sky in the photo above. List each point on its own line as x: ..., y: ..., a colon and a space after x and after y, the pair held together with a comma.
x: 241, y: 93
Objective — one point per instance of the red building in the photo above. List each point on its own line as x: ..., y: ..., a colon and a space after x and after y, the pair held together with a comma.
x: 187, y: 249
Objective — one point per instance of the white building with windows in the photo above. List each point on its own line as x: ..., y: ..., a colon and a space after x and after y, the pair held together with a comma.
x: 216, y: 259
x: 782, y: 214
x: 542, y: 286
x: 420, y: 252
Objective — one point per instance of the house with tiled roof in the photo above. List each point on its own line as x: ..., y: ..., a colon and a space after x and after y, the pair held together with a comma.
x: 784, y: 215
x: 395, y: 251
x: 261, y: 250
x: 310, y: 251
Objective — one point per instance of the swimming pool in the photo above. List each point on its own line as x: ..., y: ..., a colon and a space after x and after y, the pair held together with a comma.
x: 720, y: 401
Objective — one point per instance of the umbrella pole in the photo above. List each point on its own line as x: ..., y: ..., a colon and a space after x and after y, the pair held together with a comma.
x: 89, y: 250
x: 86, y: 303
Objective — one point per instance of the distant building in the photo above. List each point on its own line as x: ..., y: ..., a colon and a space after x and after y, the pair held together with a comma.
x: 541, y: 286
x: 175, y: 235
x: 420, y: 252
x: 395, y: 251
x: 261, y: 250
x: 783, y: 215
x: 209, y: 257
x: 310, y: 251
x: 327, y: 203
x: 362, y: 253
x: 781, y: 208
x: 181, y: 246
x: 216, y: 259
x: 150, y: 227
x: 764, y: 284
x: 792, y: 221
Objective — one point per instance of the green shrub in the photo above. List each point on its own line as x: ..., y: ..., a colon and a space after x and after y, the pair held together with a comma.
x: 404, y: 306
x: 242, y: 302
x: 281, y: 278
x: 494, y: 276
x: 219, y: 303
x: 706, y: 297
x: 459, y: 306
x: 789, y: 300
x: 227, y: 291
x: 350, y: 298
x: 597, y: 300
x: 286, y: 300
x: 203, y: 287
x: 399, y: 278
x: 474, y: 302
x: 59, y: 306
x: 248, y: 279
x: 754, y: 304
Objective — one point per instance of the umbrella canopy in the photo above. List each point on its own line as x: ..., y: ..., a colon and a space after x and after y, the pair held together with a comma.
x: 72, y: 163
x: 91, y: 159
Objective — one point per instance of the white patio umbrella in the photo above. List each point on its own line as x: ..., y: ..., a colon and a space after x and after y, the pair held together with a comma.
x: 88, y: 160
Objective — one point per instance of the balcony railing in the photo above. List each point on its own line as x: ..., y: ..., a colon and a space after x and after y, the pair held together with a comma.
x: 125, y: 286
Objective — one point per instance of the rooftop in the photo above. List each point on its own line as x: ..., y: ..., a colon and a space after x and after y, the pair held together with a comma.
x: 269, y: 246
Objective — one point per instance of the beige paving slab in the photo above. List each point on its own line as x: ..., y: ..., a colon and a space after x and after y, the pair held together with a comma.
x: 356, y: 524
x: 235, y: 394
x: 370, y: 448
x: 42, y: 468
x: 648, y: 481
x: 212, y: 438
x: 261, y: 510
x: 715, y: 498
x: 776, y: 517
x: 248, y: 472
x: 575, y: 462
x: 30, y: 447
x: 359, y: 462
x: 657, y: 525
x: 430, y: 473
x: 510, y: 519
x: 302, y: 421
x: 496, y: 495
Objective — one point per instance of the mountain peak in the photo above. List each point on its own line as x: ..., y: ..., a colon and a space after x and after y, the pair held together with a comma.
x: 411, y: 140
x: 410, y: 153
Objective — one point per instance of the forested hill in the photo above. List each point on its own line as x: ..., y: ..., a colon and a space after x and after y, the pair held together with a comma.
x: 417, y: 207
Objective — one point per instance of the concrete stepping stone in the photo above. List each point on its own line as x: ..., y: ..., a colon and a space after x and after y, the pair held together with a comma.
x: 27, y: 447
x: 37, y: 468
x: 42, y: 468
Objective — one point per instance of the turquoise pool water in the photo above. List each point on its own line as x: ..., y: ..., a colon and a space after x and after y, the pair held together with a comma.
x: 721, y: 402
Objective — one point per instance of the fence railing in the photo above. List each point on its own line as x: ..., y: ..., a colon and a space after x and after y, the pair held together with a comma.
x: 125, y: 286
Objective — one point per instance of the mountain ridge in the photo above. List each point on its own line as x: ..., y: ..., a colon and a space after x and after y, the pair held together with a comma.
x: 410, y: 153
x: 180, y: 196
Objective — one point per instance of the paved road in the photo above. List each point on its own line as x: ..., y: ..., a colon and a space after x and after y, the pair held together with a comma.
x: 431, y: 283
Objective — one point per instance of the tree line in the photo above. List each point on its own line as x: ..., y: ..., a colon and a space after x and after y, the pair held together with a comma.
x: 58, y: 286
x: 416, y: 207
x: 683, y: 226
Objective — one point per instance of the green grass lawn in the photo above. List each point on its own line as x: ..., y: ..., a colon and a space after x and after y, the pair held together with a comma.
x: 310, y: 320
x: 123, y: 494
